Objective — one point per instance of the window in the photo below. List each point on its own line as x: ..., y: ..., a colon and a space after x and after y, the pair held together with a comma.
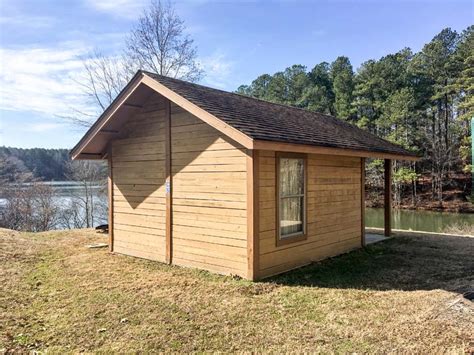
x: 291, y: 195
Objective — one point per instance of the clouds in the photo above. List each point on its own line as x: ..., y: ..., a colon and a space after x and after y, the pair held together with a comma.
x: 217, y: 70
x: 44, y: 79
x: 28, y: 22
x: 40, y: 79
x: 129, y: 9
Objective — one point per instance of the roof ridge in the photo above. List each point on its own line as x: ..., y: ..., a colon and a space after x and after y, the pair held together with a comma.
x: 317, y: 123
x: 331, y: 117
x: 246, y: 96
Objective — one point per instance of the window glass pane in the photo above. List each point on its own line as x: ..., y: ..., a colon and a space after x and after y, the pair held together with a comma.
x: 291, y: 215
x: 291, y: 176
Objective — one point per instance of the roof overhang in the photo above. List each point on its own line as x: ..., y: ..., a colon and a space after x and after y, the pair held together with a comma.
x: 300, y: 148
x: 94, y: 144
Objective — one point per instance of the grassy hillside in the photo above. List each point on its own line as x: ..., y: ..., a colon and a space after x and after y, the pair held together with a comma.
x: 401, y: 295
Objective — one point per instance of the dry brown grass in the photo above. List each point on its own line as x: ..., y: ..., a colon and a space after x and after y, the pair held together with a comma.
x: 398, y: 296
x: 463, y: 228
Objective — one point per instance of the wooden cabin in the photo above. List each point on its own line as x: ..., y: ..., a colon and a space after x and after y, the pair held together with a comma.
x: 204, y: 178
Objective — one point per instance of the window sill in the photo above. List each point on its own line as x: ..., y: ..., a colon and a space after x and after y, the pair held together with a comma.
x: 291, y: 239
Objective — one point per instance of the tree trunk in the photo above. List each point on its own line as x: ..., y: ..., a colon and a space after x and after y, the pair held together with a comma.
x: 91, y: 191
x: 87, y: 205
x: 446, y: 117
x: 413, y: 192
x: 433, y: 147
x: 440, y: 191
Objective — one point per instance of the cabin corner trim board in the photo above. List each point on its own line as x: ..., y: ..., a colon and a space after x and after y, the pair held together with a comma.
x: 252, y: 214
x: 168, y: 185
x: 362, y: 202
x: 110, y: 191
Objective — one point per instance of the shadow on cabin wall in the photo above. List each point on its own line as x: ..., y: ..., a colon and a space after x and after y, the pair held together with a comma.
x: 139, y: 167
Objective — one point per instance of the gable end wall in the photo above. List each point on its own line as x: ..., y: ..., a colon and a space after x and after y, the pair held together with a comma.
x: 209, y: 192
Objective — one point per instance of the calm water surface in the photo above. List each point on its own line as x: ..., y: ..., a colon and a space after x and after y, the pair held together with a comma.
x: 417, y: 220
x: 66, y: 191
x: 374, y: 217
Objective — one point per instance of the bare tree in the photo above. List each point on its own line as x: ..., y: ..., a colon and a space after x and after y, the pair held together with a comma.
x: 102, y: 79
x: 29, y: 207
x: 158, y: 43
x: 72, y: 214
x: 440, y: 151
x: 86, y: 207
x: 106, y: 76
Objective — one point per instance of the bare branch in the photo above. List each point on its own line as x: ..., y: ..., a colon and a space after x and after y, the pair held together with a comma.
x: 158, y: 43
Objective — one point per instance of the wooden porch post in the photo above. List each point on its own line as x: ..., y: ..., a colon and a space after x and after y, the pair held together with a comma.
x: 388, y: 197
x: 362, y: 202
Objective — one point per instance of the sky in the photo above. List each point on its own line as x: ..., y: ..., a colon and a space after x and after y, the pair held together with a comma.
x: 42, y: 43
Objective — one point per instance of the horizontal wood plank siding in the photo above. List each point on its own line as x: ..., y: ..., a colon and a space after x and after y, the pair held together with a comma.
x: 333, y: 212
x: 139, y: 193
x: 209, y: 197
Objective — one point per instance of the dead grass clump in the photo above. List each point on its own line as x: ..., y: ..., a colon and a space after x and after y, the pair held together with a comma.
x: 460, y: 228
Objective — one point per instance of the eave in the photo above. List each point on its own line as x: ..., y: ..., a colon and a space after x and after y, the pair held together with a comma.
x: 93, y: 144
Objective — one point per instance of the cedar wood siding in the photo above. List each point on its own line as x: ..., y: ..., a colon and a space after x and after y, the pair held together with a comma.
x: 333, y: 212
x: 138, y: 170
x: 208, y: 203
x: 209, y: 197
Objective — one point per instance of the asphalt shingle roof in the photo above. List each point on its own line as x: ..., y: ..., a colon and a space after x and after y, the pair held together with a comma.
x: 267, y: 121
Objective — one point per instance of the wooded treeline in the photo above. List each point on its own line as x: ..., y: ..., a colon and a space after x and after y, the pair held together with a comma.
x: 33, y: 164
x: 29, y: 203
x: 422, y: 101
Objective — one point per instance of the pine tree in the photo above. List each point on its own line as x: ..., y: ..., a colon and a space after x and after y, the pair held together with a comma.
x: 342, y: 77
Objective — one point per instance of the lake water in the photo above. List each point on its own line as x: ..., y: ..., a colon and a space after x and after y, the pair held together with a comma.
x: 63, y: 188
x: 417, y: 220
x: 66, y: 192
x: 374, y: 217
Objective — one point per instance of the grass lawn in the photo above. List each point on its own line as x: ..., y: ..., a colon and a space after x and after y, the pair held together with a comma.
x: 400, y: 295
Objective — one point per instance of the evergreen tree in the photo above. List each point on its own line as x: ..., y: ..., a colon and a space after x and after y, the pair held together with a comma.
x: 365, y: 100
x: 342, y: 77
x: 423, y: 101
x: 296, y: 81
x: 318, y: 95
x: 464, y: 86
